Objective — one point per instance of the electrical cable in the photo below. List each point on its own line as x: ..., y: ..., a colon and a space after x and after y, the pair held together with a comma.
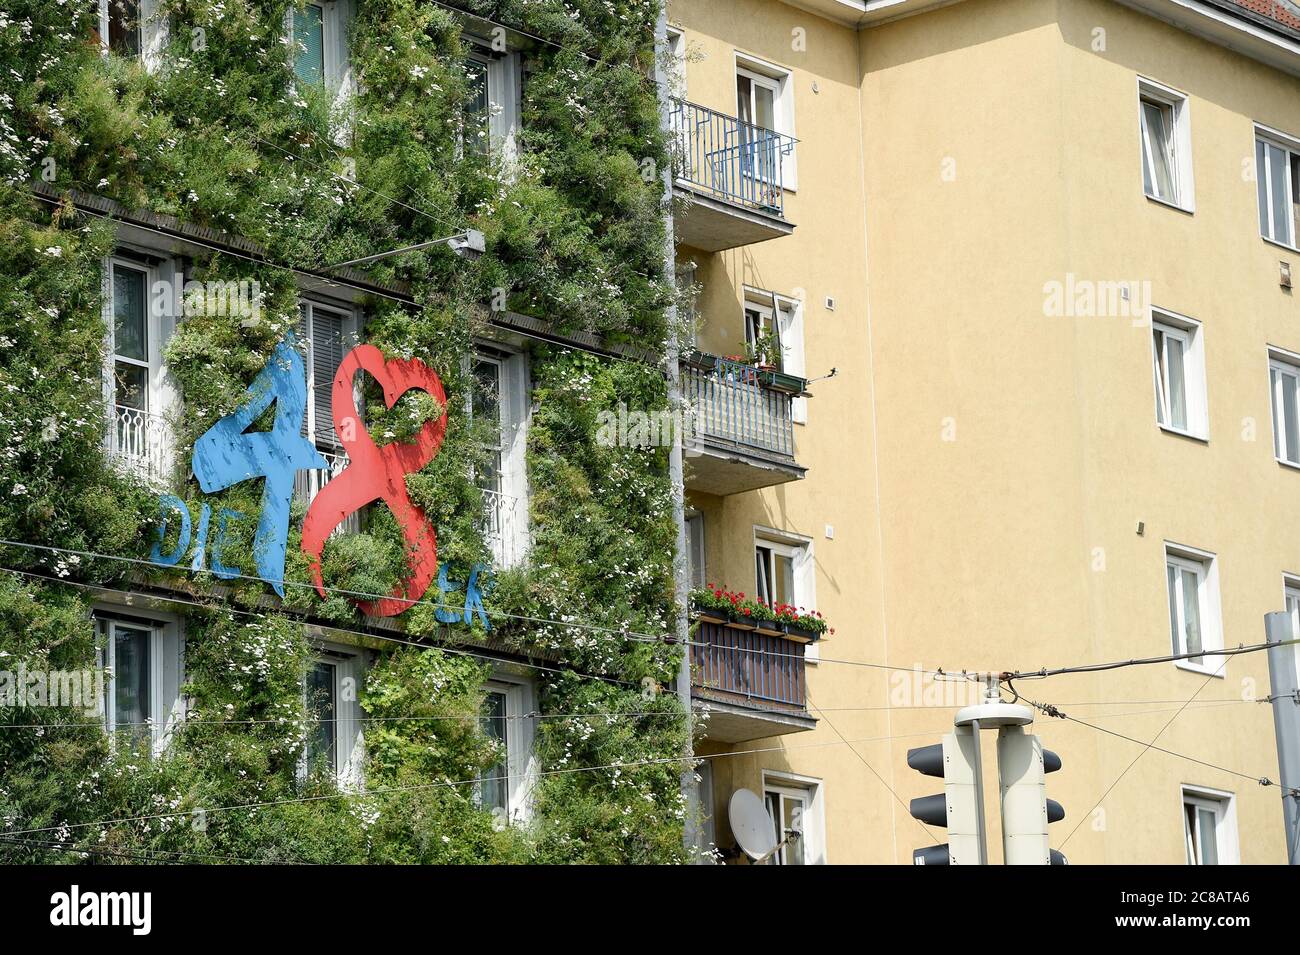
x: 346, y: 794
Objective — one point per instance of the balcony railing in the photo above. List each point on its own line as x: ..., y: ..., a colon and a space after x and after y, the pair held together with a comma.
x: 729, y: 159
x: 738, y: 403
x: 308, y: 482
x: 503, y: 527
x: 138, y: 443
x: 749, y: 667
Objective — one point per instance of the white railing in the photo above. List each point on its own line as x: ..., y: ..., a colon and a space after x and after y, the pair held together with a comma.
x: 308, y: 482
x: 138, y: 442
x: 503, y: 527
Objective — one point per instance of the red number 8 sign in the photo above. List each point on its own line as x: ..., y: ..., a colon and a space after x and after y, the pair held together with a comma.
x: 379, y: 474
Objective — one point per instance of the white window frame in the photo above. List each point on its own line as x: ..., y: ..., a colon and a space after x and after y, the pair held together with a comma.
x: 813, y: 792
x: 1264, y: 182
x: 513, y: 374
x: 163, y: 279
x: 349, y: 663
x: 503, y: 82
x: 153, y: 32
x: 1180, y: 165
x: 521, y: 763
x: 1224, y: 805
x: 800, y: 549
x: 1280, y: 363
x: 1191, y: 334
x: 1209, y: 607
x: 696, y: 548
x: 779, y: 79
x: 336, y: 18
x: 167, y: 706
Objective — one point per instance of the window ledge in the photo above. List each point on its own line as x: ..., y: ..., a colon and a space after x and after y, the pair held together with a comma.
x: 1182, y: 433
x: 1201, y: 669
x: 1188, y: 208
x: 1281, y: 245
x: 1293, y: 465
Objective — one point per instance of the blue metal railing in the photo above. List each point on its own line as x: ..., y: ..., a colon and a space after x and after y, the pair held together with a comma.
x: 758, y: 667
x: 728, y: 158
x: 731, y: 402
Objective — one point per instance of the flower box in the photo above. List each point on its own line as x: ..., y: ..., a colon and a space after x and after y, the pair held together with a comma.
x: 770, y: 628
x: 740, y: 621
x: 801, y: 634
x: 708, y: 614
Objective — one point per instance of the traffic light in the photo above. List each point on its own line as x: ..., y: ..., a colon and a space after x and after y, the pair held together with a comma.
x: 960, y: 807
x: 1026, y: 810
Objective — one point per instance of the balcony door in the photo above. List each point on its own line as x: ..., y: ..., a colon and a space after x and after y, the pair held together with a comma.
x: 757, y: 99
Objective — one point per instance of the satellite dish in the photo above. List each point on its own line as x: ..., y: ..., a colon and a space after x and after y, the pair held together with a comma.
x: 751, y: 825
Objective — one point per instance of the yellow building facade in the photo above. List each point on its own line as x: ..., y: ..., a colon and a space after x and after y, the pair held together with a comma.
x: 1030, y: 238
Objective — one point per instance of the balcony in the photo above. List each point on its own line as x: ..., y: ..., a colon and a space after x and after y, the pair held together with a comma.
x: 731, y: 171
x: 741, y: 431
x: 751, y: 683
x: 138, y: 443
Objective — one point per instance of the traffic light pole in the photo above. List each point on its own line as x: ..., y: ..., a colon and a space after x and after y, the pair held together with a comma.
x: 1285, y: 697
x: 981, y: 826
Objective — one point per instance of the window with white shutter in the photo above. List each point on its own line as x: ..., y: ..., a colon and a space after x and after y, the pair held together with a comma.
x: 326, y: 332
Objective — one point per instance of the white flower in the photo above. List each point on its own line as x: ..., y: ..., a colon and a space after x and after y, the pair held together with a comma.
x: 54, y: 251
x: 19, y: 490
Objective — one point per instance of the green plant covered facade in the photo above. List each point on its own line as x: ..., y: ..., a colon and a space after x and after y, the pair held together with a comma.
x: 218, y: 133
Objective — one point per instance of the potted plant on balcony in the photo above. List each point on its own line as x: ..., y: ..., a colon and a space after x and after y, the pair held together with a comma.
x: 711, y: 605
x: 801, y: 625
x: 765, y: 619
x: 764, y: 352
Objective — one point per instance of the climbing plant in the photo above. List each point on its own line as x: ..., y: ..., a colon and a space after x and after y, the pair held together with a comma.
x: 218, y: 134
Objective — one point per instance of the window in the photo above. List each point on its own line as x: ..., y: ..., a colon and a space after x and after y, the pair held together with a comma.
x: 499, y: 397
x: 675, y: 65
x: 794, y: 806
x: 136, y: 390
x: 774, y: 566
x: 504, y: 787
x: 131, y: 28
x: 765, y: 102
x: 328, y: 334
x: 708, y: 837
x: 320, y: 694
x: 784, y: 573
x: 309, y: 40
x: 1277, y: 177
x: 1165, y: 128
x: 687, y: 304
x: 331, y: 693
x: 775, y: 322
x: 130, y: 305
x: 1284, y: 382
x: 491, y: 110
x: 1192, y: 584
x: 695, y: 559
x: 1179, y: 367
x: 1209, y: 827
x: 318, y: 44
x: 142, y: 661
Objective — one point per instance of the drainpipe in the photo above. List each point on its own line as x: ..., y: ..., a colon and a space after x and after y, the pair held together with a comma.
x: 672, y: 371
